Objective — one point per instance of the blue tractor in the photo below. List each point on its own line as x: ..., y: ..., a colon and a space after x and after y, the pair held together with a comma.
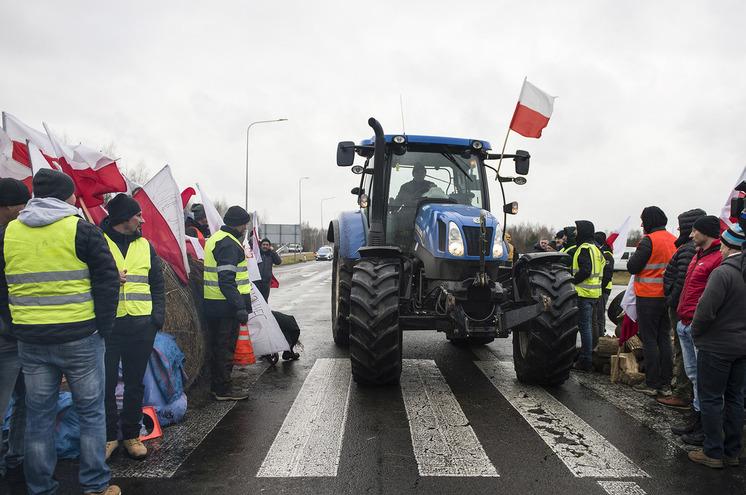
x: 423, y: 252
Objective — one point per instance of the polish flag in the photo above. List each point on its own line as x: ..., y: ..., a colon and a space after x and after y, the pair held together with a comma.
x: 725, y: 219
x: 532, y: 112
x: 8, y: 166
x: 160, y: 200
x: 617, y: 240
x: 214, y: 219
x: 186, y: 195
x: 94, y: 173
x: 20, y: 134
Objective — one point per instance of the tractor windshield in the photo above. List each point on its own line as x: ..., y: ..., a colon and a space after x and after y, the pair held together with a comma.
x: 437, y: 173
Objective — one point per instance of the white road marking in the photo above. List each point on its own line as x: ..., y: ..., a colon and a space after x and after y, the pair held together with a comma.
x: 621, y: 488
x: 443, y: 441
x: 636, y: 405
x: 309, y: 442
x: 168, y: 453
x: 584, y: 451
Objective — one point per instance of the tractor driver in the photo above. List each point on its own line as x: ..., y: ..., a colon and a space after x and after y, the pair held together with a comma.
x: 416, y: 188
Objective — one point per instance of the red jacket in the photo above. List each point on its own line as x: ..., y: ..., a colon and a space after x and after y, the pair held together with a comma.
x: 703, y: 263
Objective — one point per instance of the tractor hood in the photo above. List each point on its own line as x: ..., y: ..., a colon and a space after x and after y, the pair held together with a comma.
x: 432, y: 224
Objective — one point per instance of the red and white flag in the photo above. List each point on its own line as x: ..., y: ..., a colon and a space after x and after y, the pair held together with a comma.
x: 725, y: 219
x: 532, y: 112
x: 617, y: 240
x: 8, y: 166
x: 94, y: 173
x: 214, y: 220
x: 15, y: 158
x: 160, y: 200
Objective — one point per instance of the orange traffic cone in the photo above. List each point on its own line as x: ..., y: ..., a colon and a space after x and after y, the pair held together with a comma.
x: 244, y: 354
x: 150, y: 416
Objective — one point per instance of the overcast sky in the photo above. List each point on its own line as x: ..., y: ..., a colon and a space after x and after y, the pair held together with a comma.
x: 650, y: 110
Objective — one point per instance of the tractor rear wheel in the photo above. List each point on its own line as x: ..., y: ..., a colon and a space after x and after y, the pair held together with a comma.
x: 341, y: 285
x: 544, y: 349
x: 375, y: 336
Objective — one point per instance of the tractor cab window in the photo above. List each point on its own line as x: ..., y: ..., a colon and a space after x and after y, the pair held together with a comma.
x: 420, y: 175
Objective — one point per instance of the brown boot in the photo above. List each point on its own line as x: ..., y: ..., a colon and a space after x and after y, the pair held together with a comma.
x: 135, y: 449
x: 674, y: 402
x: 111, y: 490
x: 110, y: 448
x: 700, y: 457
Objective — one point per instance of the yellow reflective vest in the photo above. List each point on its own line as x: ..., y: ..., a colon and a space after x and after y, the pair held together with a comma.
x: 590, y: 288
x: 134, y: 295
x: 211, y: 287
x: 47, y: 283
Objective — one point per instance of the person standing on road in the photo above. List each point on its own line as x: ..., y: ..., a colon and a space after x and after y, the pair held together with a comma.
x: 682, y: 392
x: 599, y: 317
x: 560, y: 238
x: 269, y: 259
x: 587, y: 268
x: 13, y: 198
x: 570, y: 244
x: 227, y: 298
x: 141, y: 311
x: 60, y: 283
x: 705, y: 234
x: 647, y: 264
x: 719, y: 331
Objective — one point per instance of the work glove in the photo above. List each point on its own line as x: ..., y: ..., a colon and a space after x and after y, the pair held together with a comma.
x: 242, y: 316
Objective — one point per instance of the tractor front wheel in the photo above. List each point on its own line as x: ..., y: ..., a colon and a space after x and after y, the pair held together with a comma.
x: 341, y: 285
x: 375, y: 336
x: 544, y: 349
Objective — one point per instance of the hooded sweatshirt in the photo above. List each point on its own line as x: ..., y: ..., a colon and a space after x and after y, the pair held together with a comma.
x: 585, y: 232
x: 90, y: 248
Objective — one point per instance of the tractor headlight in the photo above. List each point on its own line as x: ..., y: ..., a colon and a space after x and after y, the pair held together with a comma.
x: 455, y: 241
x: 477, y: 145
x: 497, y: 244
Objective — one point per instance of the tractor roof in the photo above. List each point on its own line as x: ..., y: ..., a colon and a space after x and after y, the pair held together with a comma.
x: 448, y: 141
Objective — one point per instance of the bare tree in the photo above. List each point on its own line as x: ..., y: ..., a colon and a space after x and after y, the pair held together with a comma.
x: 635, y: 235
x: 138, y: 174
x: 221, y: 205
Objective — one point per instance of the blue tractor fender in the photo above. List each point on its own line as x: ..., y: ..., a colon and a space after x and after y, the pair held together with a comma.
x: 349, y: 232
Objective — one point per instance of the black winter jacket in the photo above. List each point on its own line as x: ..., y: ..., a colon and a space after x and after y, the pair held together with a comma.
x: 91, y: 248
x: 155, y: 275
x: 227, y: 252
x: 585, y: 265
x: 719, y: 323
x: 675, y: 274
x: 269, y: 258
x: 608, y: 268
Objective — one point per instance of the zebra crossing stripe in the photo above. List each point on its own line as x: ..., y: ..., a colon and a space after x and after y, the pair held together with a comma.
x: 309, y: 442
x: 444, y: 443
x: 621, y: 488
x: 584, y: 451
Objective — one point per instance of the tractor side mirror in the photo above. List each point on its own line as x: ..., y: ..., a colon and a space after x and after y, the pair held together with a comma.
x: 521, y: 159
x: 345, y: 153
x: 357, y: 191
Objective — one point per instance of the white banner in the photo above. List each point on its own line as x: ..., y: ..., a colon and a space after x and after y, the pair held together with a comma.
x: 166, y: 197
x: 266, y: 336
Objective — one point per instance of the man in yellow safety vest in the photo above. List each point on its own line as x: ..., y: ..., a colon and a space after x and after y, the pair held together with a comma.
x: 587, y: 269
x: 59, y: 284
x: 227, y: 298
x: 140, y: 314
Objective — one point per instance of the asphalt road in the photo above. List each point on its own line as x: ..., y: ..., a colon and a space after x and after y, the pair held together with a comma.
x: 459, y: 422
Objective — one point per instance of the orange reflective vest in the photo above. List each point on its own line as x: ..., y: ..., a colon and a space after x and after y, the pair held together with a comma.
x: 649, y: 282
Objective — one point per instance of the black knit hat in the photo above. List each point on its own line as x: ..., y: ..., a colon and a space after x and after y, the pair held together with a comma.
x: 652, y: 218
x: 708, y: 225
x: 199, y: 211
x: 50, y: 183
x: 236, y: 216
x: 121, y: 208
x: 600, y: 238
x: 13, y: 192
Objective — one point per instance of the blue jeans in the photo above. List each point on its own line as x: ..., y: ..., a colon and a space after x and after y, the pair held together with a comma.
x: 11, y: 384
x: 689, y: 355
x: 82, y: 363
x: 585, y: 322
x: 721, y: 376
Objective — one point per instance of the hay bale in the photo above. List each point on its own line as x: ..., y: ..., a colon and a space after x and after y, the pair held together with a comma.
x: 607, y: 346
x: 634, y: 345
x: 184, y: 320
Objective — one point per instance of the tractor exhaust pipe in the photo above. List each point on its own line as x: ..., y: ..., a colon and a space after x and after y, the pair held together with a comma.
x: 377, y: 234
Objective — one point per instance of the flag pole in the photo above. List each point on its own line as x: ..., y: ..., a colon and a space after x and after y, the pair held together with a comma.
x: 85, y: 209
x: 500, y: 163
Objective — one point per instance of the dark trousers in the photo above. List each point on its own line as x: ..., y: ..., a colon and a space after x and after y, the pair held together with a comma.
x: 264, y: 288
x: 720, y: 376
x: 599, y: 317
x: 131, y: 343
x: 223, y: 335
x: 655, y: 332
x: 680, y: 384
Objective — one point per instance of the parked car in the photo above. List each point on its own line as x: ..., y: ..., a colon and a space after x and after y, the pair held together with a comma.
x: 620, y: 263
x: 295, y: 248
x: 325, y: 253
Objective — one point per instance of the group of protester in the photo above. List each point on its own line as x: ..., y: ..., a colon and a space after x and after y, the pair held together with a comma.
x: 79, y: 300
x: 694, y: 287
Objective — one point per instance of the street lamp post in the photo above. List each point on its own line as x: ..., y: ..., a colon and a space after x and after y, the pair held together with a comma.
x: 300, y: 208
x: 322, y: 210
x: 246, y: 198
